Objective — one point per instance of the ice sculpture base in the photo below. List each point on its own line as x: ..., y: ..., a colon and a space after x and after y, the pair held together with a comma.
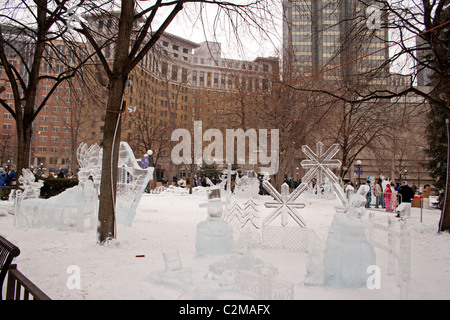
x: 214, y: 237
x: 348, y: 254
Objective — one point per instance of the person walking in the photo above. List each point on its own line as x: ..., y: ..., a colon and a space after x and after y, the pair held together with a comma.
x: 387, y: 197
x: 394, y: 196
x: 378, y: 194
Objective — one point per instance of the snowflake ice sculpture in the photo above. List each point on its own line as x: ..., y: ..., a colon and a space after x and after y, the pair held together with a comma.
x: 284, y: 204
x: 319, y: 165
x: 322, y: 162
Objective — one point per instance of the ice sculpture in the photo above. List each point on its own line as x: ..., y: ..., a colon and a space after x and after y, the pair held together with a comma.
x: 225, y: 184
x: 27, y: 201
x: 327, y: 189
x: 261, y: 287
x: 247, y: 186
x: 215, y: 235
x: 348, y: 254
x: 74, y: 205
x: 69, y: 208
x: 321, y: 160
x: 131, y: 184
x: 174, y: 274
x: 284, y: 204
x: 319, y: 165
x: 90, y: 162
x: 245, y: 219
x: 243, y: 272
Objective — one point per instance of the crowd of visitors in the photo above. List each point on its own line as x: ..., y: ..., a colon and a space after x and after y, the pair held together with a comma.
x: 8, y: 177
x: 388, y: 194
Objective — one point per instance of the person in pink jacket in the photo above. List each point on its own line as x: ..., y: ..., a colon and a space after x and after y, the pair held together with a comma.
x: 387, y: 197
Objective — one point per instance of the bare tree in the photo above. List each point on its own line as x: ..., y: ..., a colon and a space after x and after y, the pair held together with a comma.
x: 136, y: 33
x: 27, y: 33
x: 419, y: 39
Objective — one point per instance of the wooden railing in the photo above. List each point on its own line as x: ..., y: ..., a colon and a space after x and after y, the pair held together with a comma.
x: 17, y: 281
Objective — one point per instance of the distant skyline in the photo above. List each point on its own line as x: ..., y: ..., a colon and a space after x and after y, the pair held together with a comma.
x: 250, y: 49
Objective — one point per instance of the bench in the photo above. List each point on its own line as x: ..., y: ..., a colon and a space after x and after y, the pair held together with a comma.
x: 17, y: 281
x: 8, y: 252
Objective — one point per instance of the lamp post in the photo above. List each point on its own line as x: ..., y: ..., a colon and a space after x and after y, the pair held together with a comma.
x: 359, y: 170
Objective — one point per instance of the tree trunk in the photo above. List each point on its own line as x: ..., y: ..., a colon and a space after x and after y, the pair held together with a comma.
x: 106, y: 229
x: 111, y: 141
x: 444, y: 222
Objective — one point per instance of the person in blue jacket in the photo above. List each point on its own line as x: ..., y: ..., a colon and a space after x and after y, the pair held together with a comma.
x: 3, y: 178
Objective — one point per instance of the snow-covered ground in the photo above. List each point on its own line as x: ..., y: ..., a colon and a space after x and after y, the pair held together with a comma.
x: 125, y: 267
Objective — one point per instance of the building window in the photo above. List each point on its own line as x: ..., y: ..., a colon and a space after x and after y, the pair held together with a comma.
x: 164, y: 68
x: 175, y: 73
x: 184, y: 75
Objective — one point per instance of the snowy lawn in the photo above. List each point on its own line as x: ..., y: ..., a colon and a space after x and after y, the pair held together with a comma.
x: 125, y: 267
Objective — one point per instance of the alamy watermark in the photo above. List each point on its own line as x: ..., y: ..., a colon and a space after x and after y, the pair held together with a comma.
x: 74, y: 278
x: 374, y: 279
x: 190, y: 150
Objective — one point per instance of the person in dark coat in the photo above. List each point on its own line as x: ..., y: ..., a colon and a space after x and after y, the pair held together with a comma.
x: 61, y: 174
x: 406, y: 192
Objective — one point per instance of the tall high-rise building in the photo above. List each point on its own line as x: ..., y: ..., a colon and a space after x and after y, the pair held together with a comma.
x: 327, y: 37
